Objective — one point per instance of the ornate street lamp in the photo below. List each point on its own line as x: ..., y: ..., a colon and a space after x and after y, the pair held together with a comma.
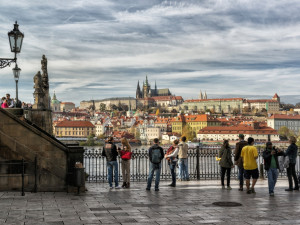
x: 16, y: 72
x: 15, y: 40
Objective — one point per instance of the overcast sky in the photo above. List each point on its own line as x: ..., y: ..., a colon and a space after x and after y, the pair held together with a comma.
x: 98, y: 49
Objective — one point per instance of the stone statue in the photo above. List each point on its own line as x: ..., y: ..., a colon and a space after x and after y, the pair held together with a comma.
x: 38, y: 91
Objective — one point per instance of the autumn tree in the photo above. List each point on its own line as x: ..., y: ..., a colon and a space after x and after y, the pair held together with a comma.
x: 188, y: 132
x: 285, y: 132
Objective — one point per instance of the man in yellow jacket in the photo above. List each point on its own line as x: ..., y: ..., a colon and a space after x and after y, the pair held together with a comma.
x: 249, y: 155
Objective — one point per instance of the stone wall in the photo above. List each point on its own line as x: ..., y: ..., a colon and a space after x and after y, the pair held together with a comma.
x: 19, y: 139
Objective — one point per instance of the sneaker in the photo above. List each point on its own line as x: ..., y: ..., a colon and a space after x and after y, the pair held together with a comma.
x: 156, y: 189
x: 118, y: 187
x: 253, y: 190
x: 272, y: 194
x: 111, y: 187
x: 147, y: 189
x: 229, y: 188
x: 289, y: 189
x: 296, y: 189
x: 223, y: 187
x: 249, y: 191
x: 172, y: 185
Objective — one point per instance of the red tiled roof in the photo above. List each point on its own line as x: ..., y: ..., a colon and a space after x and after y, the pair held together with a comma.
x: 216, y: 99
x: 67, y: 103
x: 284, y: 117
x: 259, y: 100
x: 275, y: 96
x: 75, y: 124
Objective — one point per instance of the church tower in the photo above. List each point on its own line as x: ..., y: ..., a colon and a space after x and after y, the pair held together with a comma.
x: 200, y: 95
x: 138, y: 91
x: 146, y: 89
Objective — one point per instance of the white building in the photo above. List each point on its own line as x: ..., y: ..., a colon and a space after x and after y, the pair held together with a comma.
x: 259, y: 133
x: 292, y: 122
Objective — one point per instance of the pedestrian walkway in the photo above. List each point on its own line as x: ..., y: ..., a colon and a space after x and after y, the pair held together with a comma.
x: 189, y: 203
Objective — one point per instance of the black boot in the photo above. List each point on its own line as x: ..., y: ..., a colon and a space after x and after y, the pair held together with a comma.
x: 128, y: 185
x: 124, y: 185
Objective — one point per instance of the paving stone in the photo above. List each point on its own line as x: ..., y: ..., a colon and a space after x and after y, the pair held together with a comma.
x: 188, y: 203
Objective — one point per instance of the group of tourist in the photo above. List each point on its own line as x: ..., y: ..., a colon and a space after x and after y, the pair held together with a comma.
x: 7, y: 102
x: 245, y: 156
x: 177, y: 154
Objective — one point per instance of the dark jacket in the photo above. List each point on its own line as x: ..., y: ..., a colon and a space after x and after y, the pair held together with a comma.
x: 155, y: 146
x: 110, y: 152
x: 237, y: 153
x: 292, y: 152
x: 225, y: 155
x: 268, y: 157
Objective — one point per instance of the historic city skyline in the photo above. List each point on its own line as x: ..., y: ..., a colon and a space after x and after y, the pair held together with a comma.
x: 101, y: 49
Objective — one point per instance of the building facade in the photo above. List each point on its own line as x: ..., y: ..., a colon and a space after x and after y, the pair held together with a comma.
x: 74, y: 129
x: 195, y: 122
x: 225, y: 105
x: 221, y: 133
x: 269, y: 105
x: 292, y: 122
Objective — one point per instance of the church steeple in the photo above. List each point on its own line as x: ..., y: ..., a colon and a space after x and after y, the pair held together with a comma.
x: 155, y: 88
x: 200, y: 95
x: 138, y: 91
x: 146, y: 82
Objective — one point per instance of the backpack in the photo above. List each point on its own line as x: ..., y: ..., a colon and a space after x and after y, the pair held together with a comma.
x: 156, y: 156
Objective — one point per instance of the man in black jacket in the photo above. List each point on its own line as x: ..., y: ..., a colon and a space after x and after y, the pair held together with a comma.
x: 111, y: 153
x: 270, y: 156
x: 156, y: 154
x: 238, y: 159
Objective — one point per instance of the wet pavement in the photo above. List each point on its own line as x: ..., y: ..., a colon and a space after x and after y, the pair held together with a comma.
x: 189, y: 203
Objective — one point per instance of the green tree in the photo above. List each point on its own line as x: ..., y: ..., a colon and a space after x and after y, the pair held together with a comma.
x: 188, y: 132
x: 285, y: 132
x: 90, y: 141
x: 102, y: 107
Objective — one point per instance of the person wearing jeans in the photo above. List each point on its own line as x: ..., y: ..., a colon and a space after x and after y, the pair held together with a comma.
x: 270, y: 156
x: 111, y: 153
x: 112, y: 167
x: 154, y: 168
x: 183, y: 173
x: 156, y: 154
x: 292, y: 153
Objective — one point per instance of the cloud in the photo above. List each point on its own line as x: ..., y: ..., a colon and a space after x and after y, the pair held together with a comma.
x: 99, y: 49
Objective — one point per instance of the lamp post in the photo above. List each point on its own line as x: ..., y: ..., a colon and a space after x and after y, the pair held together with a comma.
x: 15, y: 40
x: 16, y: 72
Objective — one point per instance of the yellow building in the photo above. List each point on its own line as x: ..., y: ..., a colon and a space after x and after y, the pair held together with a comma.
x: 74, y: 129
x: 196, y: 122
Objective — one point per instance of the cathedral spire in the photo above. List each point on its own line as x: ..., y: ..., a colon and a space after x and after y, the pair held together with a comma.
x: 146, y: 81
x: 200, y: 95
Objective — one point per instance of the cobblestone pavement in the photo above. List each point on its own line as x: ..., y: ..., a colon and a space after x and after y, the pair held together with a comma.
x: 188, y: 203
